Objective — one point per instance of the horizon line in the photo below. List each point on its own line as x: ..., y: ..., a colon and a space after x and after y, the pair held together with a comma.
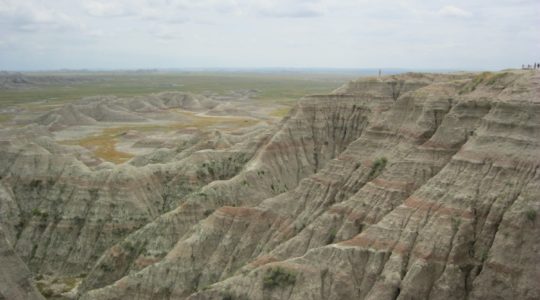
x: 239, y: 69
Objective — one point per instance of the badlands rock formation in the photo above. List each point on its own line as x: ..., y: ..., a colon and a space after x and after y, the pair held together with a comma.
x: 91, y: 110
x: 414, y: 186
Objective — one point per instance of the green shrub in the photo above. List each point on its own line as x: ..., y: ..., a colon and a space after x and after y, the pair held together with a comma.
x: 378, y: 165
x: 331, y: 237
x: 456, y: 221
x: 106, y: 268
x: 129, y: 246
x: 531, y: 214
x: 278, y: 277
x: 36, y: 212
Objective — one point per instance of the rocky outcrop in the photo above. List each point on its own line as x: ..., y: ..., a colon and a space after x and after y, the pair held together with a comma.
x: 424, y: 203
x: 91, y: 110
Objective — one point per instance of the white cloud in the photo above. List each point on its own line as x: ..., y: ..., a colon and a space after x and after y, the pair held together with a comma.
x: 217, y: 33
x: 453, y: 11
x: 99, y: 8
x: 29, y: 17
x: 289, y: 9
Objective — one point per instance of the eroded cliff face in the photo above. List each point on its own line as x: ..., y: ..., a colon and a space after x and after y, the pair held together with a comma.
x: 316, y: 131
x: 16, y: 280
x: 451, y: 216
x: 415, y: 186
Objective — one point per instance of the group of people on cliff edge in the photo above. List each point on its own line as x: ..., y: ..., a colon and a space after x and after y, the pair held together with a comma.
x: 529, y: 67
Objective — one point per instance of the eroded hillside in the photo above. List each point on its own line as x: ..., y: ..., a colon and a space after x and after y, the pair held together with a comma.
x: 413, y: 186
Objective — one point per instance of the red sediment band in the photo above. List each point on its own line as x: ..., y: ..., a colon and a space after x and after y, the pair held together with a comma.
x: 262, y: 260
x: 394, y: 246
x: 322, y: 181
x: 378, y: 244
x: 294, y: 266
x: 145, y: 261
x: 409, y: 133
x: 242, y: 212
x: 428, y: 254
x: 502, y: 268
x: 116, y: 251
x: 437, y: 146
x: 437, y: 207
x: 494, y: 158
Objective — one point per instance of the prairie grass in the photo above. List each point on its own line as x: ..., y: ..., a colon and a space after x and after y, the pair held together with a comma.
x: 274, y: 88
x: 280, y: 112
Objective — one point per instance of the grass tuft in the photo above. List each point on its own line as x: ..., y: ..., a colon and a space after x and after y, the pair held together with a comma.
x: 281, y: 112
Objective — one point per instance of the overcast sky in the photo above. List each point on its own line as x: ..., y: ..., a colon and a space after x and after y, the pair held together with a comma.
x: 129, y: 34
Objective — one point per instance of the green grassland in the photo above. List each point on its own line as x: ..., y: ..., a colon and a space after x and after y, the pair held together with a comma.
x: 273, y: 87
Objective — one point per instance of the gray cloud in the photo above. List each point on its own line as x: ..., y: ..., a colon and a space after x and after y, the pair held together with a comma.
x: 26, y: 17
x: 251, y: 33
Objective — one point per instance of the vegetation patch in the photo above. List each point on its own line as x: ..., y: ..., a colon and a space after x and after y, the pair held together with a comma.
x: 278, y: 277
x: 475, y: 82
x: 4, y: 118
x: 39, y: 213
x: 486, y: 78
x: 456, y: 222
x: 103, y: 145
x: 531, y: 214
x: 378, y: 166
x: 57, y: 286
x: 44, y: 289
x: 280, y: 112
x: 331, y: 236
x: 495, y: 77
